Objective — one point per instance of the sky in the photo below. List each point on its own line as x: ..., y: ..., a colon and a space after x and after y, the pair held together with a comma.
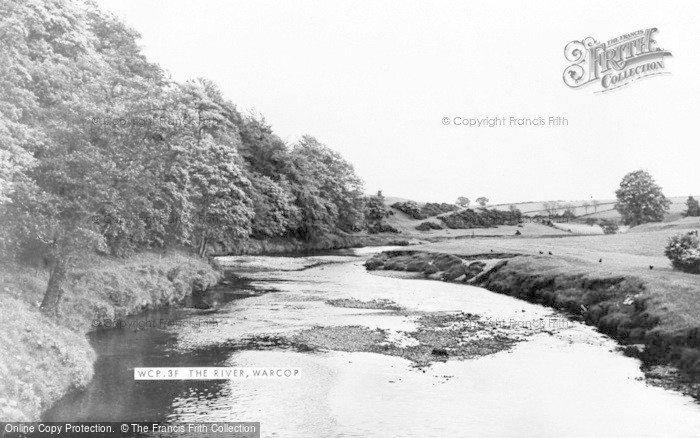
x: 374, y: 79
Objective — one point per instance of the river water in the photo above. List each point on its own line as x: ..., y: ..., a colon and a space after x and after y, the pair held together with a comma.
x: 558, y: 378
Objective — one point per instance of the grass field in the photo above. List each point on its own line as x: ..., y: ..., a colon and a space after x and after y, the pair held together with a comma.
x: 622, y: 283
x: 676, y: 294
x: 579, y: 249
x: 406, y: 224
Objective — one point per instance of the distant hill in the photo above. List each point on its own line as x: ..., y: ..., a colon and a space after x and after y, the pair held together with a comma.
x: 605, y: 210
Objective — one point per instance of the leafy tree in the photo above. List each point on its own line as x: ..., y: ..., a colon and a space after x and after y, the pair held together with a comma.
x: 375, y: 208
x: 101, y: 153
x: 693, y: 207
x: 482, y: 201
x: 264, y: 151
x: 58, y: 88
x: 329, y: 193
x: 273, y: 204
x: 640, y: 199
x: 222, y: 208
x: 463, y: 201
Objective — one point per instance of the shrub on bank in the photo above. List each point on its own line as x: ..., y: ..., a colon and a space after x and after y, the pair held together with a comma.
x: 45, y: 357
x: 381, y: 227
x: 484, y: 218
x: 434, y: 208
x: 609, y: 226
x: 684, y: 252
x: 427, y: 226
x: 410, y: 208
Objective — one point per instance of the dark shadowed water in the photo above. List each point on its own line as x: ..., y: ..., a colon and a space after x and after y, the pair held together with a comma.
x: 563, y: 380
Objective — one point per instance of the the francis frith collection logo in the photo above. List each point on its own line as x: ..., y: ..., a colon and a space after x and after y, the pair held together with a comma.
x: 615, y: 63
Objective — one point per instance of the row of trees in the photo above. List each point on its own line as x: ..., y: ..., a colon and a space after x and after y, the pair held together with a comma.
x: 101, y: 151
x: 464, y: 202
x: 556, y: 208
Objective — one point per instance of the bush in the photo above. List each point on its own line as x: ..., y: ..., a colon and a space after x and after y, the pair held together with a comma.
x: 410, y: 208
x: 434, y: 208
x: 484, y: 218
x: 609, y: 226
x: 380, y: 227
x: 375, y: 209
x: 684, y: 252
x: 427, y: 226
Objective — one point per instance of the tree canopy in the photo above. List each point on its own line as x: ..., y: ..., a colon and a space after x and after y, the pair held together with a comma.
x: 101, y: 151
x: 640, y: 199
x: 693, y: 207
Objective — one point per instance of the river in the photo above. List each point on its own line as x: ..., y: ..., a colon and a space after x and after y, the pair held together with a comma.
x: 520, y: 370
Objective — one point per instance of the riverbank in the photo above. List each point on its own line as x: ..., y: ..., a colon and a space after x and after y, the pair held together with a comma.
x: 46, y: 357
x: 289, y: 246
x: 406, y: 346
x: 606, y: 281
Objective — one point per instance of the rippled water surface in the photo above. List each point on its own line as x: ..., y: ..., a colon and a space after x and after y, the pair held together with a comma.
x: 563, y: 379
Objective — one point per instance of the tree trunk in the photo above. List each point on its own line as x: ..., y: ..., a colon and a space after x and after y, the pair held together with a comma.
x: 54, y: 290
x: 203, y: 245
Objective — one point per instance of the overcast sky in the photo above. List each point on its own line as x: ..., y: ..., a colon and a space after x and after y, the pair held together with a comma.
x: 374, y: 79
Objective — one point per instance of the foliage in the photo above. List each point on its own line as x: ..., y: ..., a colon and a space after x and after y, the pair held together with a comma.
x: 381, y: 227
x: 434, y: 208
x: 275, y: 213
x: 428, y: 225
x: 375, y: 208
x: 684, y: 252
x: 101, y: 151
x: 410, y: 208
x: 609, y: 226
x: 484, y: 218
x: 463, y: 201
x: 640, y: 199
x: 693, y: 207
x: 375, y: 213
x: 482, y: 201
x: 329, y: 193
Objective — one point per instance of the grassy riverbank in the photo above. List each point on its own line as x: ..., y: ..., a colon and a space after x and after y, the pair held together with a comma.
x: 46, y: 357
x: 328, y: 242
x: 607, y: 280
